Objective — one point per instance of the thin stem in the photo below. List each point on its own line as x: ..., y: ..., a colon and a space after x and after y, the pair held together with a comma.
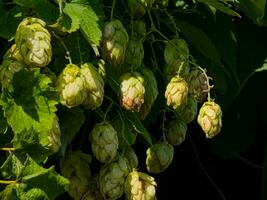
x: 173, y: 22
x: 64, y: 46
x: 7, y: 182
x: 108, y: 109
x: 180, y: 68
x: 79, y: 48
x: 204, y: 169
x: 163, y: 126
x: 112, y: 9
x: 7, y: 149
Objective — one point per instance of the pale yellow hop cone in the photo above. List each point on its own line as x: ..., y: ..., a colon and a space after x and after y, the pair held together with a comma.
x: 210, y: 118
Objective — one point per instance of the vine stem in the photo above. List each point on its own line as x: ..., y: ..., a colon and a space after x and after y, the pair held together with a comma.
x: 5, y: 182
x: 107, y: 111
x: 163, y: 126
x: 204, y: 169
x: 7, y: 149
x: 112, y: 9
x: 64, y: 46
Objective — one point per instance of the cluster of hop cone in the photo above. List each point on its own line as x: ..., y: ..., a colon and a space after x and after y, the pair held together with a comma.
x: 187, y: 87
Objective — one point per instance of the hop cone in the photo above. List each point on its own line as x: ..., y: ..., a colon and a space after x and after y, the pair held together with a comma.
x: 76, y: 168
x: 12, y: 63
x: 176, y: 92
x: 134, y: 55
x: 104, y: 142
x: 198, y: 85
x: 159, y: 157
x: 94, y: 86
x: 189, y: 112
x: 115, y: 39
x: 139, y: 29
x: 33, y: 41
x: 151, y: 93
x: 140, y: 186
x: 93, y: 192
x: 70, y: 85
x: 162, y: 3
x: 138, y: 8
x: 132, y: 91
x: 54, y: 136
x: 131, y: 157
x: 112, y: 178
x: 210, y: 118
x: 176, y: 132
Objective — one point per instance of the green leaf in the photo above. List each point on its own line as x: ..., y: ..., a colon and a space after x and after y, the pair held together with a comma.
x: 9, y: 21
x: 32, y: 103
x: 200, y: 41
x: 68, y: 24
x: 137, y: 126
x: 89, y: 22
x: 3, y: 122
x: 70, y: 122
x: 12, y: 167
x: 221, y: 6
x: 44, y: 8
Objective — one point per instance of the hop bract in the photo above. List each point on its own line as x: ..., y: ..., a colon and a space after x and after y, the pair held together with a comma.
x: 115, y: 40
x: 33, y: 41
x: 189, y: 112
x: 94, y: 86
x: 132, y: 91
x: 140, y: 186
x: 76, y: 168
x: 176, y: 92
x: 112, y: 178
x: 159, y: 157
x: 54, y: 136
x: 210, y: 118
x: 71, y: 87
x: 104, y: 142
x: 176, y: 132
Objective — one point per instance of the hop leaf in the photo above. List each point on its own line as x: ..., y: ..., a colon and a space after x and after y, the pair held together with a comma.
x: 132, y: 91
x: 159, y: 157
x: 33, y: 42
x: 210, y: 118
x: 104, y: 142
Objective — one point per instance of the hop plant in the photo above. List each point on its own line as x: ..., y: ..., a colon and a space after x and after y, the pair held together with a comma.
x: 159, y: 157
x: 139, y: 29
x: 131, y: 157
x: 94, y: 86
x: 76, y: 168
x: 140, y: 186
x: 114, y: 44
x: 93, y: 192
x: 132, y: 91
x: 176, y: 132
x: 189, y: 112
x: 134, y: 55
x: 210, y: 118
x: 54, y: 136
x: 33, y: 41
x: 170, y: 70
x: 13, y: 53
x: 104, y: 142
x: 151, y: 93
x: 71, y: 87
x: 112, y: 178
x: 176, y: 92
x: 138, y: 8
x: 198, y: 85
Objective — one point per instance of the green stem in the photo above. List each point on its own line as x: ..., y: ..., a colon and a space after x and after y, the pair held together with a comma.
x: 64, y: 46
x: 107, y: 111
x: 7, y: 182
x: 79, y: 49
x: 112, y: 9
x: 7, y: 149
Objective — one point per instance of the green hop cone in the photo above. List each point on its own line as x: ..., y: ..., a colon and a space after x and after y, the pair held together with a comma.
x: 151, y: 93
x: 94, y: 86
x: 54, y: 136
x: 140, y: 186
x: 176, y: 92
x: 210, y: 119
x: 162, y: 3
x: 93, y: 192
x: 132, y: 91
x: 138, y: 8
x: 131, y: 157
x: 189, y: 112
x: 76, y: 168
x: 176, y: 132
x: 159, y: 157
x: 104, y: 142
x: 71, y: 87
x: 33, y: 41
x: 139, y: 30
x: 14, y: 54
x: 134, y: 55
x: 114, y: 43
x: 198, y: 85
x: 112, y: 178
